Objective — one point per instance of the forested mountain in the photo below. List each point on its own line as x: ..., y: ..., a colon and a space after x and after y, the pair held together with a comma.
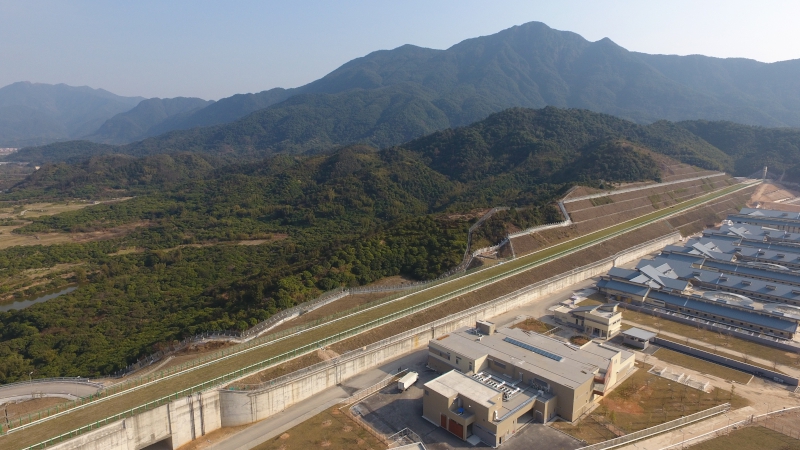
x: 342, y: 218
x: 532, y: 130
x: 36, y: 113
x: 146, y: 119
x: 752, y: 148
x: 390, y: 96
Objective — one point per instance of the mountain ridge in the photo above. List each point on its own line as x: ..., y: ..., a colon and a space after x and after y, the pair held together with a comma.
x: 399, y: 94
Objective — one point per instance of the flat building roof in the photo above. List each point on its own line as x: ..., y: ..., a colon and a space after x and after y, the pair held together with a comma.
x: 558, y: 361
x: 455, y: 382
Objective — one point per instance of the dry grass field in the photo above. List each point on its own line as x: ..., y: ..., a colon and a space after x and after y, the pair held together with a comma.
x: 19, y: 213
x: 716, y: 340
x: 705, y: 367
x: 750, y: 438
x: 537, y: 326
x: 641, y: 401
x: 331, y: 430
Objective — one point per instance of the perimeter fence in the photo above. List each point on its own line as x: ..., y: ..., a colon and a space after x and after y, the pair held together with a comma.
x: 652, y: 431
x: 762, y: 420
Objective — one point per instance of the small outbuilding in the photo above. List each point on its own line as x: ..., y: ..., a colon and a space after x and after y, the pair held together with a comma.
x: 636, y: 337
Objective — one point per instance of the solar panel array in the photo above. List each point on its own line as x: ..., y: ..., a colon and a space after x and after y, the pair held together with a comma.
x: 539, y: 351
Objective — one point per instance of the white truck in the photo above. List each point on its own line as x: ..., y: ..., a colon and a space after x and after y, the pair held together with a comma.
x: 407, y: 380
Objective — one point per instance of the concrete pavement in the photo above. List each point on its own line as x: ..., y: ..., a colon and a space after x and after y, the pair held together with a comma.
x: 63, y: 389
x: 302, y: 411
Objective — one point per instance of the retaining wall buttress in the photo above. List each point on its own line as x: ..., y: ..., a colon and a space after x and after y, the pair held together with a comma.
x: 194, y: 416
x: 181, y: 421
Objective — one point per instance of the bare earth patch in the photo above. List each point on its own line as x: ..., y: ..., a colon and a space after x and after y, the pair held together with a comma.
x: 330, y: 429
x: 537, y: 326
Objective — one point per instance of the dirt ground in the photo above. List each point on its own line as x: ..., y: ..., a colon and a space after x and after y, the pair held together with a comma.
x: 212, y: 438
x: 750, y: 438
x: 773, y: 193
x: 534, y: 325
x: 9, y: 239
x: 644, y: 400
x: 332, y: 430
x: 688, y: 223
x: 21, y: 212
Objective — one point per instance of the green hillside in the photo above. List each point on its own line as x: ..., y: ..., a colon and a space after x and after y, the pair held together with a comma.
x: 752, y: 148
x: 344, y: 218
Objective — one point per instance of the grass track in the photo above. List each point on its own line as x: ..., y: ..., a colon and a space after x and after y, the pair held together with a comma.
x: 100, y: 410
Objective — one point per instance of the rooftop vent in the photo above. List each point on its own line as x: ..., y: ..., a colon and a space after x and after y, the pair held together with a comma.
x: 538, y: 351
x: 485, y: 327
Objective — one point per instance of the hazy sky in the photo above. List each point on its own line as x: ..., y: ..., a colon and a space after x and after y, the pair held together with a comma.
x: 216, y: 49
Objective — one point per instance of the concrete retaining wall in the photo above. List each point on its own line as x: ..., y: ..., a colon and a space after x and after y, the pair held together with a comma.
x: 180, y: 422
x: 243, y: 407
x: 187, y: 419
x: 749, y: 368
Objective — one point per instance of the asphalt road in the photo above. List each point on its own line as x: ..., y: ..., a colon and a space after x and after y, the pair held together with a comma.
x: 47, y: 389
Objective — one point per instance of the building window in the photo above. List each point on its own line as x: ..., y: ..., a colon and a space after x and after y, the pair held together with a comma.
x: 499, y: 364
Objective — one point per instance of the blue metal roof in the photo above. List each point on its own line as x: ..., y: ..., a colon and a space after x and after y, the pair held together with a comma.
x: 769, y: 213
x: 745, y: 270
x: 619, y: 272
x: 758, y: 232
x: 760, y: 220
x: 752, y: 243
x: 723, y: 312
x: 620, y: 286
x: 772, y: 289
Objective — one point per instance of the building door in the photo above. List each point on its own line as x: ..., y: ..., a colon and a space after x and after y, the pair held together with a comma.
x: 443, y: 421
x: 456, y: 428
